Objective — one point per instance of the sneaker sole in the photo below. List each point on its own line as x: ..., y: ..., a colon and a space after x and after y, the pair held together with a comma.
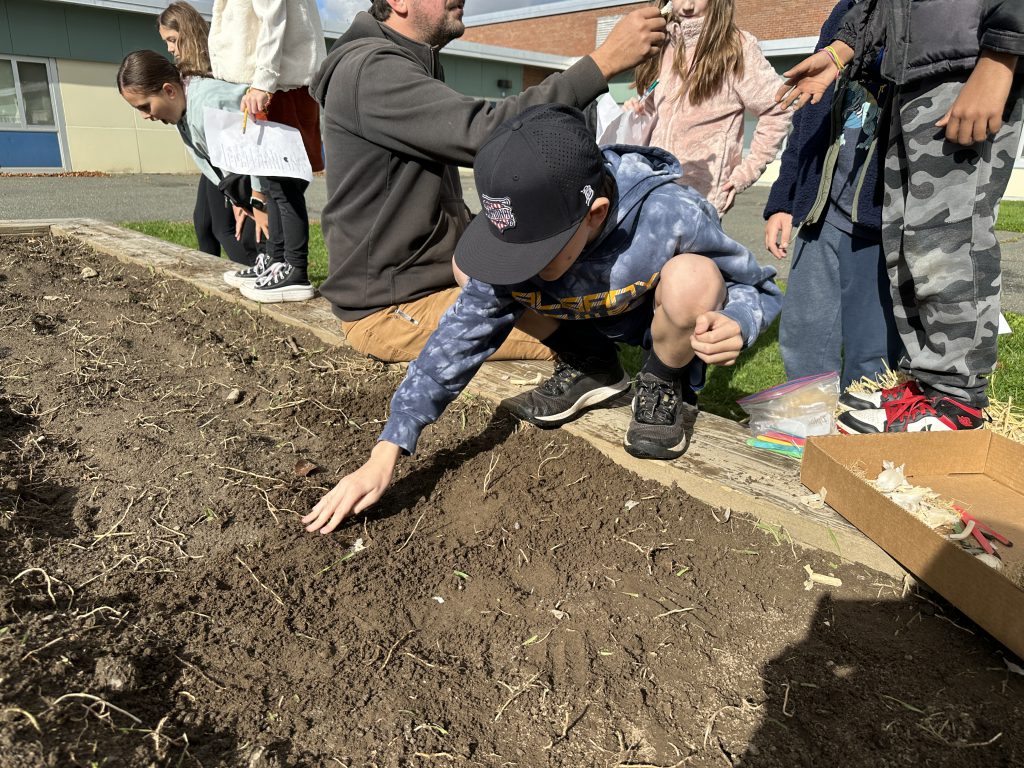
x: 232, y: 279
x: 592, y: 398
x: 645, y: 450
x: 277, y: 295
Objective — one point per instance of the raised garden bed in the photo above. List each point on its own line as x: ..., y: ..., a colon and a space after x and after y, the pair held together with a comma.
x: 517, y: 598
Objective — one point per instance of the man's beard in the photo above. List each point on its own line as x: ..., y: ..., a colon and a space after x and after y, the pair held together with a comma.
x: 447, y: 29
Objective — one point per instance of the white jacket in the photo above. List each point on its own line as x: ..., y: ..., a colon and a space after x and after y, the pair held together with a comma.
x: 273, y: 45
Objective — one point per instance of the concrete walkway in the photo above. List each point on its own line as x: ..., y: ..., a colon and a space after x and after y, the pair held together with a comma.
x: 149, y: 197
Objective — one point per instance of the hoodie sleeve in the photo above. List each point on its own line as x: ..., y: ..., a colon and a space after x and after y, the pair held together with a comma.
x: 273, y: 18
x: 399, y: 106
x: 752, y: 298
x: 1002, y: 27
x: 757, y: 90
x: 216, y: 94
x: 468, y: 333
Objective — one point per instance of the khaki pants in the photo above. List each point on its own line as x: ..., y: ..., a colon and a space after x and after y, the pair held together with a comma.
x: 397, y: 334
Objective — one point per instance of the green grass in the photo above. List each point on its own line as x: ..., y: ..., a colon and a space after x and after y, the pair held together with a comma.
x: 758, y: 368
x: 1011, y: 215
x: 183, y: 233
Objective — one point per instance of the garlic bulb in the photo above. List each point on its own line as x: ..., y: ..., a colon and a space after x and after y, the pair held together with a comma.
x: 891, y: 477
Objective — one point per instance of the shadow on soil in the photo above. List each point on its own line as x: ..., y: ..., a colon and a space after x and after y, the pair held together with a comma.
x: 850, y: 692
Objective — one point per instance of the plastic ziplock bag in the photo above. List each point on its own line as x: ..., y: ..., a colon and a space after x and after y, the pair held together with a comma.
x: 618, y: 126
x: 800, y: 407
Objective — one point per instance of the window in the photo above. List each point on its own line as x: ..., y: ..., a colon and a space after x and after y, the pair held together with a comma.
x: 30, y: 134
x: 25, y: 95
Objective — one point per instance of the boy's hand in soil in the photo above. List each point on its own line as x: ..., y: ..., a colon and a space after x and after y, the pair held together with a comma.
x: 777, y: 232
x: 977, y: 112
x: 356, y: 491
x: 716, y: 339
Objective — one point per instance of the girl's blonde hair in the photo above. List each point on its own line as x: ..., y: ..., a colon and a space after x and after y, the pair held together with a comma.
x: 719, y: 53
x: 193, y: 56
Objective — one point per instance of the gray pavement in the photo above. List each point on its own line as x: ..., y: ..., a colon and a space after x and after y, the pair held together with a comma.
x: 149, y: 197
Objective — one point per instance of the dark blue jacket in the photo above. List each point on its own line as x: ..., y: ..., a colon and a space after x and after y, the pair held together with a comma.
x: 800, y: 172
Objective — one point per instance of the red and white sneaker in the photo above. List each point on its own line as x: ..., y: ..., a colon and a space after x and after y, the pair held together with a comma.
x: 880, y: 397
x: 912, y: 414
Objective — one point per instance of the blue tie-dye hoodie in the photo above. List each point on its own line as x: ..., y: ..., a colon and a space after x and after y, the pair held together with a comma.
x: 652, y: 220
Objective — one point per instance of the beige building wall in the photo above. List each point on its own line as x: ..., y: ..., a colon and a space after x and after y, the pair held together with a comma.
x: 105, y: 134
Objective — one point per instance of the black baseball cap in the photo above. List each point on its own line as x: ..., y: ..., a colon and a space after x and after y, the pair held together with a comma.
x: 536, y: 175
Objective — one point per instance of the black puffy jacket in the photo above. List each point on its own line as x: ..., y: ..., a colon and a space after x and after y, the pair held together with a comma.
x: 922, y: 38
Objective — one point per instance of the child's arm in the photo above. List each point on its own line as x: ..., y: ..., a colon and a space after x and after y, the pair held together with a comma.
x: 753, y: 300
x: 977, y: 112
x: 269, y: 49
x: 469, y: 332
x: 756, y: 90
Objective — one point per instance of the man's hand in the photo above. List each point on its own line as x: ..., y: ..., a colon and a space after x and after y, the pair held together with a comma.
x: 777, y: 232
x: 639, y: 35
x: 255, y: 101
x: 977, y: 112
x: 356, y: 491
x: 716, y: 339
x: 808, y: 80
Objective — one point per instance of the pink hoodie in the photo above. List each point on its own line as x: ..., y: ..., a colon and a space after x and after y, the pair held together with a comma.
x: 708, y: 139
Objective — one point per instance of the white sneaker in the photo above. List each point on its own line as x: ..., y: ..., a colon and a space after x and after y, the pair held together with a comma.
x: 249, y: 275
x: 278, y: 284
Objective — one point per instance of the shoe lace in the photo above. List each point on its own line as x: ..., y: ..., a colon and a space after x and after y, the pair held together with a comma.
x: 902, y: 411
x: 561, y: 379
x: 262, y: 262
x: 656, y: 402
x: 275, y: 273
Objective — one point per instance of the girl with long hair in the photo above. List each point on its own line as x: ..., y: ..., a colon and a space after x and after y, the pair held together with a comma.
x: 709, y: 75
x: 218, y: 225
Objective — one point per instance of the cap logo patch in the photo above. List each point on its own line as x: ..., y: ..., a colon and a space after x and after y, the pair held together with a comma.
x: 499, y: 211
x: 588, y: 193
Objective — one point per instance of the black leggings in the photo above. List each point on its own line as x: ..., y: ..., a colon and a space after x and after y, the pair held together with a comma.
x: 289, y: 221
x: 215, y: 226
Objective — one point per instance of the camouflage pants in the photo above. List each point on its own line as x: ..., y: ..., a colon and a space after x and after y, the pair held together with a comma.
x: 938, y: 231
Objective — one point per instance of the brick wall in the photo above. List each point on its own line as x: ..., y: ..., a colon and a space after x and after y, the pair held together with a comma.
x: 573, y: 34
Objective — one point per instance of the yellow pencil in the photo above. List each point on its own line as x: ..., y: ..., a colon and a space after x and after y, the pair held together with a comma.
x: 245, y: 118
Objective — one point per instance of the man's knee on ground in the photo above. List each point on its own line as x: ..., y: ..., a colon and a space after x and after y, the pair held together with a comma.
x: 690, y: 284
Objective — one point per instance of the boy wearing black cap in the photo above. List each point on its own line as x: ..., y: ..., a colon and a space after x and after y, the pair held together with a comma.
x: 606, y: 248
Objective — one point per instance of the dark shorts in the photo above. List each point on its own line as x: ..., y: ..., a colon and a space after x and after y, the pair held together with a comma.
x: 634, y: 328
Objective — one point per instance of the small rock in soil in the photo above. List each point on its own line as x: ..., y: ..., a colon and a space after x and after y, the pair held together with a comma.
x: 115, y: 674
x: 304, y: 468
x: 235, y: 396
x: 87, y: 273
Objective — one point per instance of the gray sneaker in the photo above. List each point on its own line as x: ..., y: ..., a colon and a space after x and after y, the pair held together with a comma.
x: 249, y: 275
x: 662, y: 422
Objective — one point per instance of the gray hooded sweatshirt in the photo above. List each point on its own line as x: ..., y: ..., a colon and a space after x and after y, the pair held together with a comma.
x: 394, y: 135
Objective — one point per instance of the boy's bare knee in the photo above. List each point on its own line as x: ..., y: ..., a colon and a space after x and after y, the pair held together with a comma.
x: 691, y: 284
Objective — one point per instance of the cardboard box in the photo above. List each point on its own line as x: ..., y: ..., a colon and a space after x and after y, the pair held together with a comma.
x: 980, y: 470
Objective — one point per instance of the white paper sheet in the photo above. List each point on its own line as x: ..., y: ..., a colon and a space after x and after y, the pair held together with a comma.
x: 265, y: 149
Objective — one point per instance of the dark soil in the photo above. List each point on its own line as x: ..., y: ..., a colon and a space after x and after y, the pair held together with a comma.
x: 520, y: 600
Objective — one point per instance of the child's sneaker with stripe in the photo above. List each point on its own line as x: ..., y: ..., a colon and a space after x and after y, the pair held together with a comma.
x: 281, y: 282
x: 880, y: 397
x: 249, y: 275
x: 577, y: 385
x: 917, y: 413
